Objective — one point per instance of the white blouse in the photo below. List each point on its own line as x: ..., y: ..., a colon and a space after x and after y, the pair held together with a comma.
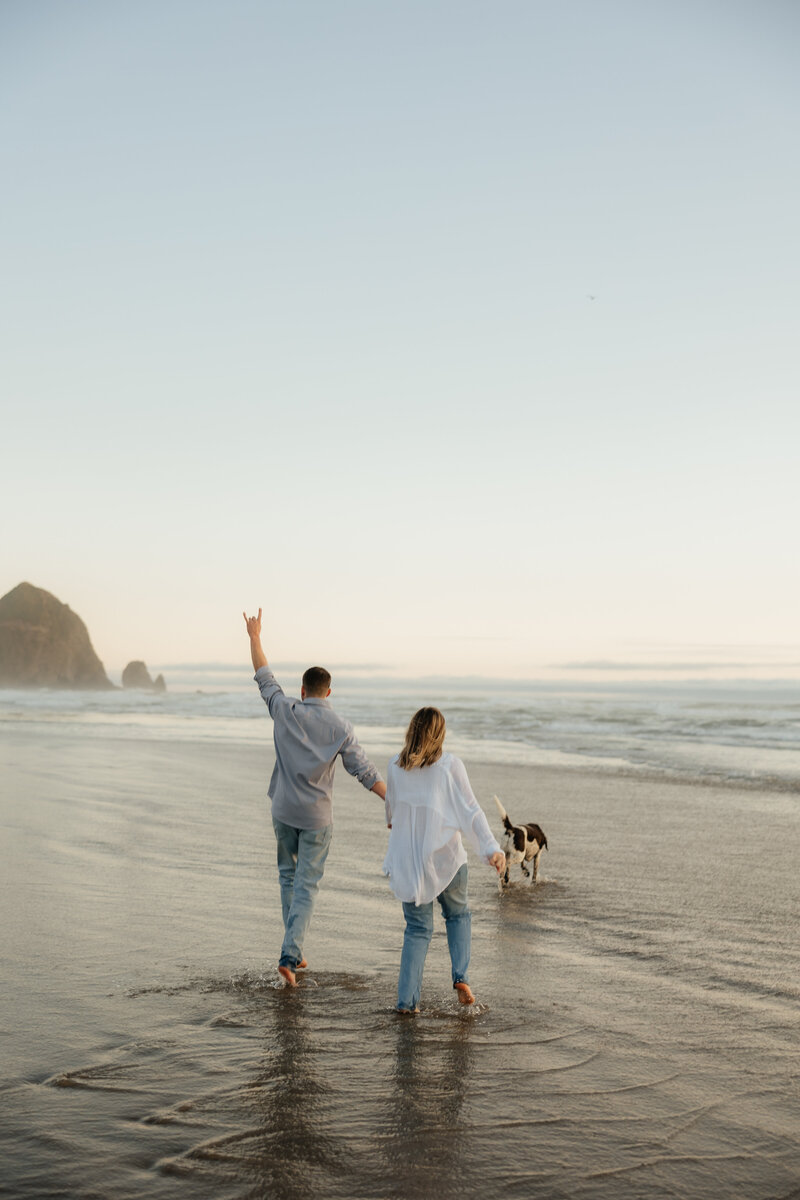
x: 429, y: 808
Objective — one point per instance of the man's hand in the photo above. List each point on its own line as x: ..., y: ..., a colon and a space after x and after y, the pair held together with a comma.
x: 253, y: 624
x: 498, y: 861
x: 256, y: 650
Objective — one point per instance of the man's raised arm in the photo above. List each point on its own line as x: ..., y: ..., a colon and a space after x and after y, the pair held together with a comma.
x: 256, y: 649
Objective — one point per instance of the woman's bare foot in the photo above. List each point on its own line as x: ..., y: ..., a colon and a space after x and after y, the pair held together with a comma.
x: 464, y: 991
x: 301, y: 966
x: 288, y: 975
x: 408, y: 1012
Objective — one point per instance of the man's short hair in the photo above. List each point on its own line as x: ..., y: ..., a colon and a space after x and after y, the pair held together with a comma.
x: 316, y: 681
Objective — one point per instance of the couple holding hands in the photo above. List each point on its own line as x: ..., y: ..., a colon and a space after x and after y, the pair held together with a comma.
x: 429, y: 804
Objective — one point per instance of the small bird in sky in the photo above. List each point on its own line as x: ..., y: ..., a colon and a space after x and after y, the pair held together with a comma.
x: 591, y: 297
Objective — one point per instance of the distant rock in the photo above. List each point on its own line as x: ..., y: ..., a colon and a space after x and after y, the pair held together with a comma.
x: 136, y: 675
x: 44, y: 644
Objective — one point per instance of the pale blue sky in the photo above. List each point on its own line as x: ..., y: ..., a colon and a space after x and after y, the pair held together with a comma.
x: 296, y: 313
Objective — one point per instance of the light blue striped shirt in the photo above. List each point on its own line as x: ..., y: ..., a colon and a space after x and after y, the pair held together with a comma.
x: 309, y: 737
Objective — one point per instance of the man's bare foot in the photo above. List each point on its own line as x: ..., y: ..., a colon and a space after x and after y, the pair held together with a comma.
x: 409, y: 1012
x: 301, y: 966
x: 465, y: 995
x: 288, y: 975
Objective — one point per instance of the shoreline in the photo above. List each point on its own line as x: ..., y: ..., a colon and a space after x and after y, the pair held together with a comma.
x: 68, y: 725
x: 741, y: 739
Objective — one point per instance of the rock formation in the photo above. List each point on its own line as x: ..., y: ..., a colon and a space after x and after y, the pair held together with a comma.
x: 44, y: 644
x: 136, y: 675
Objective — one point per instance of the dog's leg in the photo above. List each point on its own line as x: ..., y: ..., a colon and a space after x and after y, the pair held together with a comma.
x: 525, y: 870
x: 536, y: 858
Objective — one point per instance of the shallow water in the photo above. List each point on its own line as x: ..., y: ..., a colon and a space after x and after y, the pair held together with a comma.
x: 636, y: 1032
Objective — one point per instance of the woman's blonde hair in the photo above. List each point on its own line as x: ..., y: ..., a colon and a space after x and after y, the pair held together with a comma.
x: 424, y: 739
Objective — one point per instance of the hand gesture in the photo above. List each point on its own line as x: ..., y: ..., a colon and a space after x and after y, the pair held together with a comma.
x: 253, y: 624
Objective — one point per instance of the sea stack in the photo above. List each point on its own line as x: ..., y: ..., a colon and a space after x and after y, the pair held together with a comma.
x: 43, y: 643
x: 136, y: 675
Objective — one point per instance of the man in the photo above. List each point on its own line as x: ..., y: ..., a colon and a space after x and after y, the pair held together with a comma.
x: 309, y: 737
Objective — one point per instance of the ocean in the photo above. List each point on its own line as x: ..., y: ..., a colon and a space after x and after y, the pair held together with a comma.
x: 636, y: 1030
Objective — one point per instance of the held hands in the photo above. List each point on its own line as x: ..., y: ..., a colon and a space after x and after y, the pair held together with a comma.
x: 498, y: 861
x: 253, y: 624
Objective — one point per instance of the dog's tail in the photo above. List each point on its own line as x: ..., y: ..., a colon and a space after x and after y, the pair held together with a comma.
x: 503, y: 814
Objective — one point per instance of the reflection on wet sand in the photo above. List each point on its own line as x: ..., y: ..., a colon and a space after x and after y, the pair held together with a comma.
x: 426, y: 1143
x: 350, y: 1100
x: 294, y: 1151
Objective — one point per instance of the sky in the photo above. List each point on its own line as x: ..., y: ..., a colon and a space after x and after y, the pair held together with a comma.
x: 460, y: 337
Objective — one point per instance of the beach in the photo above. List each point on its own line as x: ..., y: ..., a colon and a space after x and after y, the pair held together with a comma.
x: 452, y: 348
x: 635, y: 1035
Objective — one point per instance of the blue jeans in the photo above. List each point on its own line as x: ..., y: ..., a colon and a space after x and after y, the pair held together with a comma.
x: 419, y: 931
x: 301, y: 861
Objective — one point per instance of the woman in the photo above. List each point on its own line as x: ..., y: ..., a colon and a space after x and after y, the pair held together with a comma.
x: 429, y: 804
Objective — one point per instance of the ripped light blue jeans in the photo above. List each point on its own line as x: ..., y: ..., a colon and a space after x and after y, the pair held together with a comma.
x: 301, y: 862
x: 419, y: 931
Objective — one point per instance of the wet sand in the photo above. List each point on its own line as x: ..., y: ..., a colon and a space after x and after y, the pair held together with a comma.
x: 636, y: 1031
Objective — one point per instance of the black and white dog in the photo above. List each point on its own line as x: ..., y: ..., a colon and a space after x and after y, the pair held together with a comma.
x: 521, y: 844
